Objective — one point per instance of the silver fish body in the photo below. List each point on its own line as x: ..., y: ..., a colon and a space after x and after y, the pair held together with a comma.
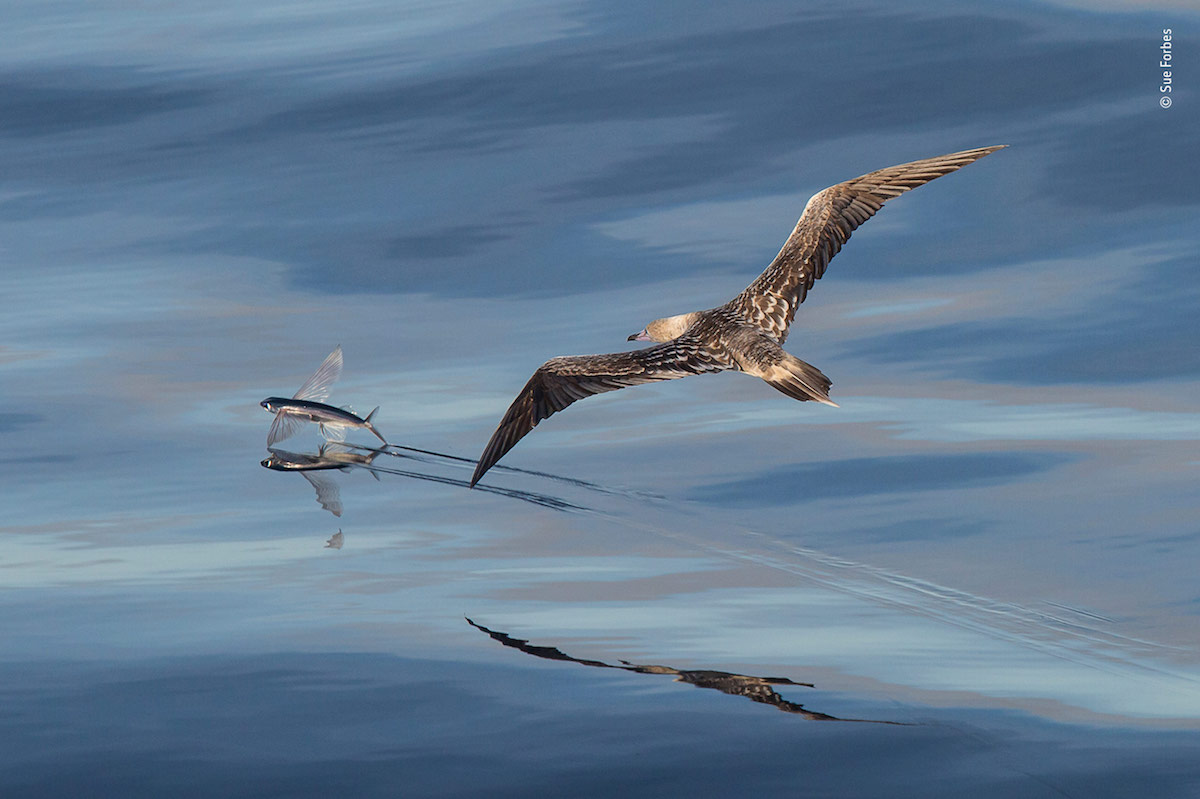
x: 333, y: 421
x: 307, y: 406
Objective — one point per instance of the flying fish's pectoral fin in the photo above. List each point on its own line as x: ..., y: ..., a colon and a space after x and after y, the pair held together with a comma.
x: 283, y: 427
x: 316, y: 388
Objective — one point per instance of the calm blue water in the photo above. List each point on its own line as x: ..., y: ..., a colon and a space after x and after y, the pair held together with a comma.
x: 976, y: 576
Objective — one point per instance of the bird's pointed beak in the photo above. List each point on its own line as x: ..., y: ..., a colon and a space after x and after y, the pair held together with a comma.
x: 642, y: 336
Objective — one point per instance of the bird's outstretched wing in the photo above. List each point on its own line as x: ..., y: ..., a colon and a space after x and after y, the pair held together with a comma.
x: 826, y: 223
x: 560, y: 381
x: 316, y: 388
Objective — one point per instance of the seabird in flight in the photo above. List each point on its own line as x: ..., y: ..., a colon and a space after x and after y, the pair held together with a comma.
x: 746, y: 333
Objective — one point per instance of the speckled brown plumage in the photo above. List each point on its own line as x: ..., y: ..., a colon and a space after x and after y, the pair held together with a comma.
x: 746, y: 333
x: 827, y: 222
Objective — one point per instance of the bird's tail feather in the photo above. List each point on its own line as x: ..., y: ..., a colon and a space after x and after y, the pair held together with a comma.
x: 800, y: 380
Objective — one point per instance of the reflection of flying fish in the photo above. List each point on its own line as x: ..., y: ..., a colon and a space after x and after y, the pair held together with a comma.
x: 307, y: 406
x: 335, y: 541
x: 344, y: 456
x: 330, y: 456
x: 329, y: 496
x: 745, y: 334
x: 756, y: 689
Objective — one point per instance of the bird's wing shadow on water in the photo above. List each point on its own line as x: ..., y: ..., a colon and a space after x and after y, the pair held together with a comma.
x: 756, y: 689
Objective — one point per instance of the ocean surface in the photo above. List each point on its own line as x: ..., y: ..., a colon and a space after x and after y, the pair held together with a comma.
x: 977, y: 577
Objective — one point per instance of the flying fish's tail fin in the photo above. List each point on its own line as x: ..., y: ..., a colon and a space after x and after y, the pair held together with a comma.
x: 371, y: 427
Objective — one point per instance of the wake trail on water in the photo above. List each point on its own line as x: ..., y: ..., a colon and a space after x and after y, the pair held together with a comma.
x: 1060, y: 631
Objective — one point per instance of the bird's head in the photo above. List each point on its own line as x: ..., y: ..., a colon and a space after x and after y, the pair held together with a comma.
x: 666, y: 329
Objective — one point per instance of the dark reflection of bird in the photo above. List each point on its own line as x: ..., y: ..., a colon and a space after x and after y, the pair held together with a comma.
x: 756, y: 689
x: 743, y: 335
